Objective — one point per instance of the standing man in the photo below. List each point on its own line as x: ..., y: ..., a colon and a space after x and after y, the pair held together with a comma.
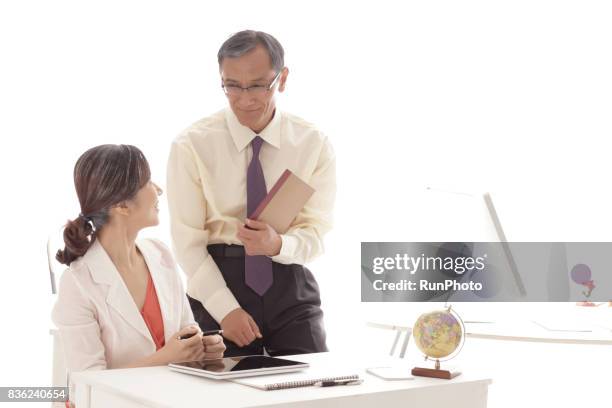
x: 243, y: 276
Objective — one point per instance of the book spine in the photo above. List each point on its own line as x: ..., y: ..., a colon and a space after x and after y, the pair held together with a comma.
x: 277, y: 186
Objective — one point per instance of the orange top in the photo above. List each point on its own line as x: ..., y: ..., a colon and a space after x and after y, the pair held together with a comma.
x: 151, y: 313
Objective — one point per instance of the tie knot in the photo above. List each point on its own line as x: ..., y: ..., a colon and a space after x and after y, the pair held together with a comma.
x: 256, y: 143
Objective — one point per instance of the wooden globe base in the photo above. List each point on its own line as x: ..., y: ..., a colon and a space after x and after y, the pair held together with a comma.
x: 435, y: 372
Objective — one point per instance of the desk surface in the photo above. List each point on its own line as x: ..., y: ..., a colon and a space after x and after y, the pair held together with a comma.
x: 536, y: 331
x: 160, y: 387
x: 534, y: 373
x: 525, y: 330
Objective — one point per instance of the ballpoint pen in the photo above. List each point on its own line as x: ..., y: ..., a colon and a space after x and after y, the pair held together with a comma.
x: 331, y: 383
x: 204, y: 333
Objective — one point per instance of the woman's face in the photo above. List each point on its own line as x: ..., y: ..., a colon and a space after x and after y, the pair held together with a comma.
x: 144, y: 208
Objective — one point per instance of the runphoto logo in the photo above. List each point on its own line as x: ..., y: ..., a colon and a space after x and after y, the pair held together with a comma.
x: 413, y: 264
x: 486, y: 272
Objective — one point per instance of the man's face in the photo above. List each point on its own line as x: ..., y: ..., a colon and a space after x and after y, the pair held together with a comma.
x: 254, y: 109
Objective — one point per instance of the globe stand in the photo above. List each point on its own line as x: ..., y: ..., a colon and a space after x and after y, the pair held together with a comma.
x: 435, y: 372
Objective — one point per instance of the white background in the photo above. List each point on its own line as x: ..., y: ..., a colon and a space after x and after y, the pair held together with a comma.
x: 508, y: 97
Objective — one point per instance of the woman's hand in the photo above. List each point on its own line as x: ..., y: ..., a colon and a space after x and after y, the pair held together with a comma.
x: 213, y: 346
x: 191, y: 349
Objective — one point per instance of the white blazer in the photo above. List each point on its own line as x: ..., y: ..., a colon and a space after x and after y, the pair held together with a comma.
x: 99, y: 322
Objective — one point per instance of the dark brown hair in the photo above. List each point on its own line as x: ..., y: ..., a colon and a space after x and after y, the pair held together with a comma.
x: 104, y: 176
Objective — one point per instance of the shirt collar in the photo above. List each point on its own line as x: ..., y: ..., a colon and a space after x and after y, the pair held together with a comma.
x: 243, y: 136
x: 103, y: 269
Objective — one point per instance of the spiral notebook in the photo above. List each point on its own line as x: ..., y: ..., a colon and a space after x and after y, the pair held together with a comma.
x: 285, y: 381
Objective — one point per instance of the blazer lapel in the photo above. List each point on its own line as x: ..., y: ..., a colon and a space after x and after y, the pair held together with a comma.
x: 161, y: 272
x: 119, y: 298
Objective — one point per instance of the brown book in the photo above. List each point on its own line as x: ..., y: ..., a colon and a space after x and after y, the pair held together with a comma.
x: 284, y: 202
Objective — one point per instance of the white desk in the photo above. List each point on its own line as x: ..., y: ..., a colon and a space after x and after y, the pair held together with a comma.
x: 532, y: 367
x: 519, y: 330
x: 159, y: 387
x: 531, y: 331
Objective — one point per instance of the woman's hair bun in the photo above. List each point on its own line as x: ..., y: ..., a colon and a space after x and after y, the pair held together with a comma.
x: 77, y: 240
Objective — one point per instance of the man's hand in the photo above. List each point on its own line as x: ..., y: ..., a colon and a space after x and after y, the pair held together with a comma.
x: 239, y: 327
x: 259, y: 238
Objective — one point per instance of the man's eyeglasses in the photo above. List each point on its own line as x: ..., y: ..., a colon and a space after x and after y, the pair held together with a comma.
x: 255, y: 90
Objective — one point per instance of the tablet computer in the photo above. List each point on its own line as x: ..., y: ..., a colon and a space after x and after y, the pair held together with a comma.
x: 235, y: 367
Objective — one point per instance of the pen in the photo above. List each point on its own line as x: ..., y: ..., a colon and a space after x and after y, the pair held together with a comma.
x: 211, y: 332
x: 204, y: 333
x: 331, y: 383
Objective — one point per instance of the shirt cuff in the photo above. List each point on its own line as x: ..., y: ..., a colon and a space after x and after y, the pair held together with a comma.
x: 289, y: 245
x: 221, y: 303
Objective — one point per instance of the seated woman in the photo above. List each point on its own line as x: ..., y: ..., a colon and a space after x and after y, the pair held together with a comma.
x: 121, y: 302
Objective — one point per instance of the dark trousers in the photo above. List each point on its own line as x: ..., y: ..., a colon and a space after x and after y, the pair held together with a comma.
x: 289, y: 314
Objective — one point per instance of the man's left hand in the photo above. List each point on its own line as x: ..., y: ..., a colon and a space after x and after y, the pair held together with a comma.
x: 259, y: 238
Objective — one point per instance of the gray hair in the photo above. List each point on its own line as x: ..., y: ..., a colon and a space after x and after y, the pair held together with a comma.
x: 244, y: 41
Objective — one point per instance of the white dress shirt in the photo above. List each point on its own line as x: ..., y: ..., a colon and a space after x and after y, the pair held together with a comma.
x: 99, y: 322
x: 206, y: 190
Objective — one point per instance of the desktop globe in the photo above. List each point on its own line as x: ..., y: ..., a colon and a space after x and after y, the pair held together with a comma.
x: 439, y: 335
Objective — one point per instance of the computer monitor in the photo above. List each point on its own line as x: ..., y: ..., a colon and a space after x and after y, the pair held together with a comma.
x: 453, y: 224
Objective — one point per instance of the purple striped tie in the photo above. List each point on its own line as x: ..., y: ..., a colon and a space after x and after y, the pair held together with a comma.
x: 257, y: 269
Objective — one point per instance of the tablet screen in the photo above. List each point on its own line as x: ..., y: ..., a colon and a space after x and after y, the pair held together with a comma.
x: 237, y: 364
